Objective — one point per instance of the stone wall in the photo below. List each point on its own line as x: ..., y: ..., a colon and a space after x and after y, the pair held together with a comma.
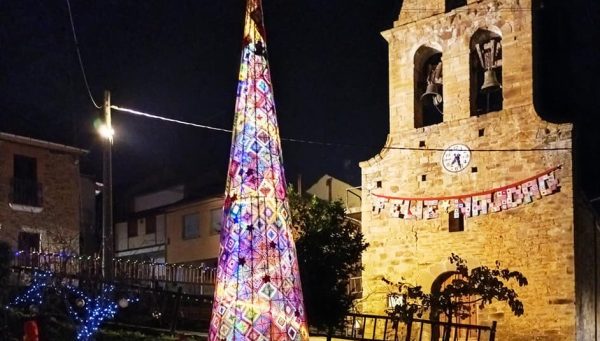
x: 59, y: 220
x: 536, y: 239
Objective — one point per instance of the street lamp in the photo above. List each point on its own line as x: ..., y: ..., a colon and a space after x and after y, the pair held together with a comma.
x: 107, y: 133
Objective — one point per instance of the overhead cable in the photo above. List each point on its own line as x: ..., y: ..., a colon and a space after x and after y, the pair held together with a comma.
x: 332, y: 144
x: 87, y: 85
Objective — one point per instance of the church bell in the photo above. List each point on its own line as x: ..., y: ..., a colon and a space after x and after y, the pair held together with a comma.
x: 490, y: 82
x: 432, y: 91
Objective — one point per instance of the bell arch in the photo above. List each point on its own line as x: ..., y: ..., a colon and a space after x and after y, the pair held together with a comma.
x: 453, y: 4
x: 428, y: 87
x: 486, y: 91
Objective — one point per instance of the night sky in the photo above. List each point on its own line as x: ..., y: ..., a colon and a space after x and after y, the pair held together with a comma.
x: 180, y: 58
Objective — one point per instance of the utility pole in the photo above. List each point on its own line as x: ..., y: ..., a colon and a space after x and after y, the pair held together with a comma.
x: 107, y: 202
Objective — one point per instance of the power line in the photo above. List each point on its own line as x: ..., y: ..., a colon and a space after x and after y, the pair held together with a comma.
x: 139, y: 113
x: 87, y: 85
x: 330, y: 144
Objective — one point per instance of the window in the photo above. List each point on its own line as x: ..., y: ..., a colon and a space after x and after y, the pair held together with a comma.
x: 132, y: 228
x: 191, y: 226
x: 25, y: 188
x: 216, y: 216
x: 456, y: 222
x: 452, y: 4
x: 28, y: 241
x: 428, y: 90
x: 25, y: 167
x: 486, y: 72
x: 151, y: 225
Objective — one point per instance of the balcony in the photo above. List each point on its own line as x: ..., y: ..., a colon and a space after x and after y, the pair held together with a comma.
x: 25, y: 193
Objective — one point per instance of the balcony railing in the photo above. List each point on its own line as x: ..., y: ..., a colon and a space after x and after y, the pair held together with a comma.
x: 26, y: 192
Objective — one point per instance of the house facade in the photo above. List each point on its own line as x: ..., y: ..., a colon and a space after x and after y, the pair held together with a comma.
x: 331, y: 189
x: 40, y: 194
x: 193, y: 231
x: 142, y: 235
x: 470, y: 168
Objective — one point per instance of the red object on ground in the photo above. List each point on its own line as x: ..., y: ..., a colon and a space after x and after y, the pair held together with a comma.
x: 31, y: 331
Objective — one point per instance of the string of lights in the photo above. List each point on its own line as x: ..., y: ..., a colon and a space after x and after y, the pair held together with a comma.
x: 92, y: 311
x: 334, y: 144
x: 66, y: 257
x: 88, y: 312
x: 33, y: 296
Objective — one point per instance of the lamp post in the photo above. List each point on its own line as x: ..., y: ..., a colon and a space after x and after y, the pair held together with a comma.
x: 107, y: 132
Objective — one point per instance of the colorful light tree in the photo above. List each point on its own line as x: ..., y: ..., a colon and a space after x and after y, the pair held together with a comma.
x: 258, y: 294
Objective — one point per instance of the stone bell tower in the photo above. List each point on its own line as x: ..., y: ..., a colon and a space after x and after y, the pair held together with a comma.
x: 470, y: 168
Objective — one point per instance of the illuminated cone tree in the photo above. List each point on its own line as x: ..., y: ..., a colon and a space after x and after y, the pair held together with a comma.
x: 258, y: 294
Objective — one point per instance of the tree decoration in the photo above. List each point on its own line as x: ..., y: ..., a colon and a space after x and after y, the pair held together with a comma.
x: 87, y: 312
x: 33, y: 297
x: 123, y: 303
x: 80, y: 302
x: 97, y: 309
x: 258, y: 295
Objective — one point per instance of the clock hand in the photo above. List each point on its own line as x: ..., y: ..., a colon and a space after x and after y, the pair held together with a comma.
x: 456, y: 159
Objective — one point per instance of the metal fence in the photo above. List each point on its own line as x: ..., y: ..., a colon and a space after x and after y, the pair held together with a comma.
x: 384, y: 328
x: 193, y: 279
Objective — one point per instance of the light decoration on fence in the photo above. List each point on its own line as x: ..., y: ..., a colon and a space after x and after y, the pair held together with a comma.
x: 258, y: 295
x: 75, y: 257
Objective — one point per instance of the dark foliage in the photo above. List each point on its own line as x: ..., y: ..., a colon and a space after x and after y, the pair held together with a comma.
x: 5, y: 258
x: 482, y: 285
x: 329, y: 247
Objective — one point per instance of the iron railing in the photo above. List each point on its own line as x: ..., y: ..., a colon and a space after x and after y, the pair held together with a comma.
x: 385, y: 328
x: 193, y: 279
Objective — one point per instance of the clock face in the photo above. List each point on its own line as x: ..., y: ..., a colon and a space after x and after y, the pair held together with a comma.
x: 456, y: 158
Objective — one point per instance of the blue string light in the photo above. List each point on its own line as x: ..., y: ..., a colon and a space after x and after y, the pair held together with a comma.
x: 34, y: 294
x: 97, y: 310
x: 88, y: 317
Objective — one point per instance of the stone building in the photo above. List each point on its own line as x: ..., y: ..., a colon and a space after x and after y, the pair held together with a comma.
x: 470, y: 168
x: 40, y: 194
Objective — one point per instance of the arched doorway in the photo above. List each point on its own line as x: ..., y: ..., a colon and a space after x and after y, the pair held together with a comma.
x: 439, y: 284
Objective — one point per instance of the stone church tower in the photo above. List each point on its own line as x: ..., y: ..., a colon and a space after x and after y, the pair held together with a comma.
x: 470, y: 168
